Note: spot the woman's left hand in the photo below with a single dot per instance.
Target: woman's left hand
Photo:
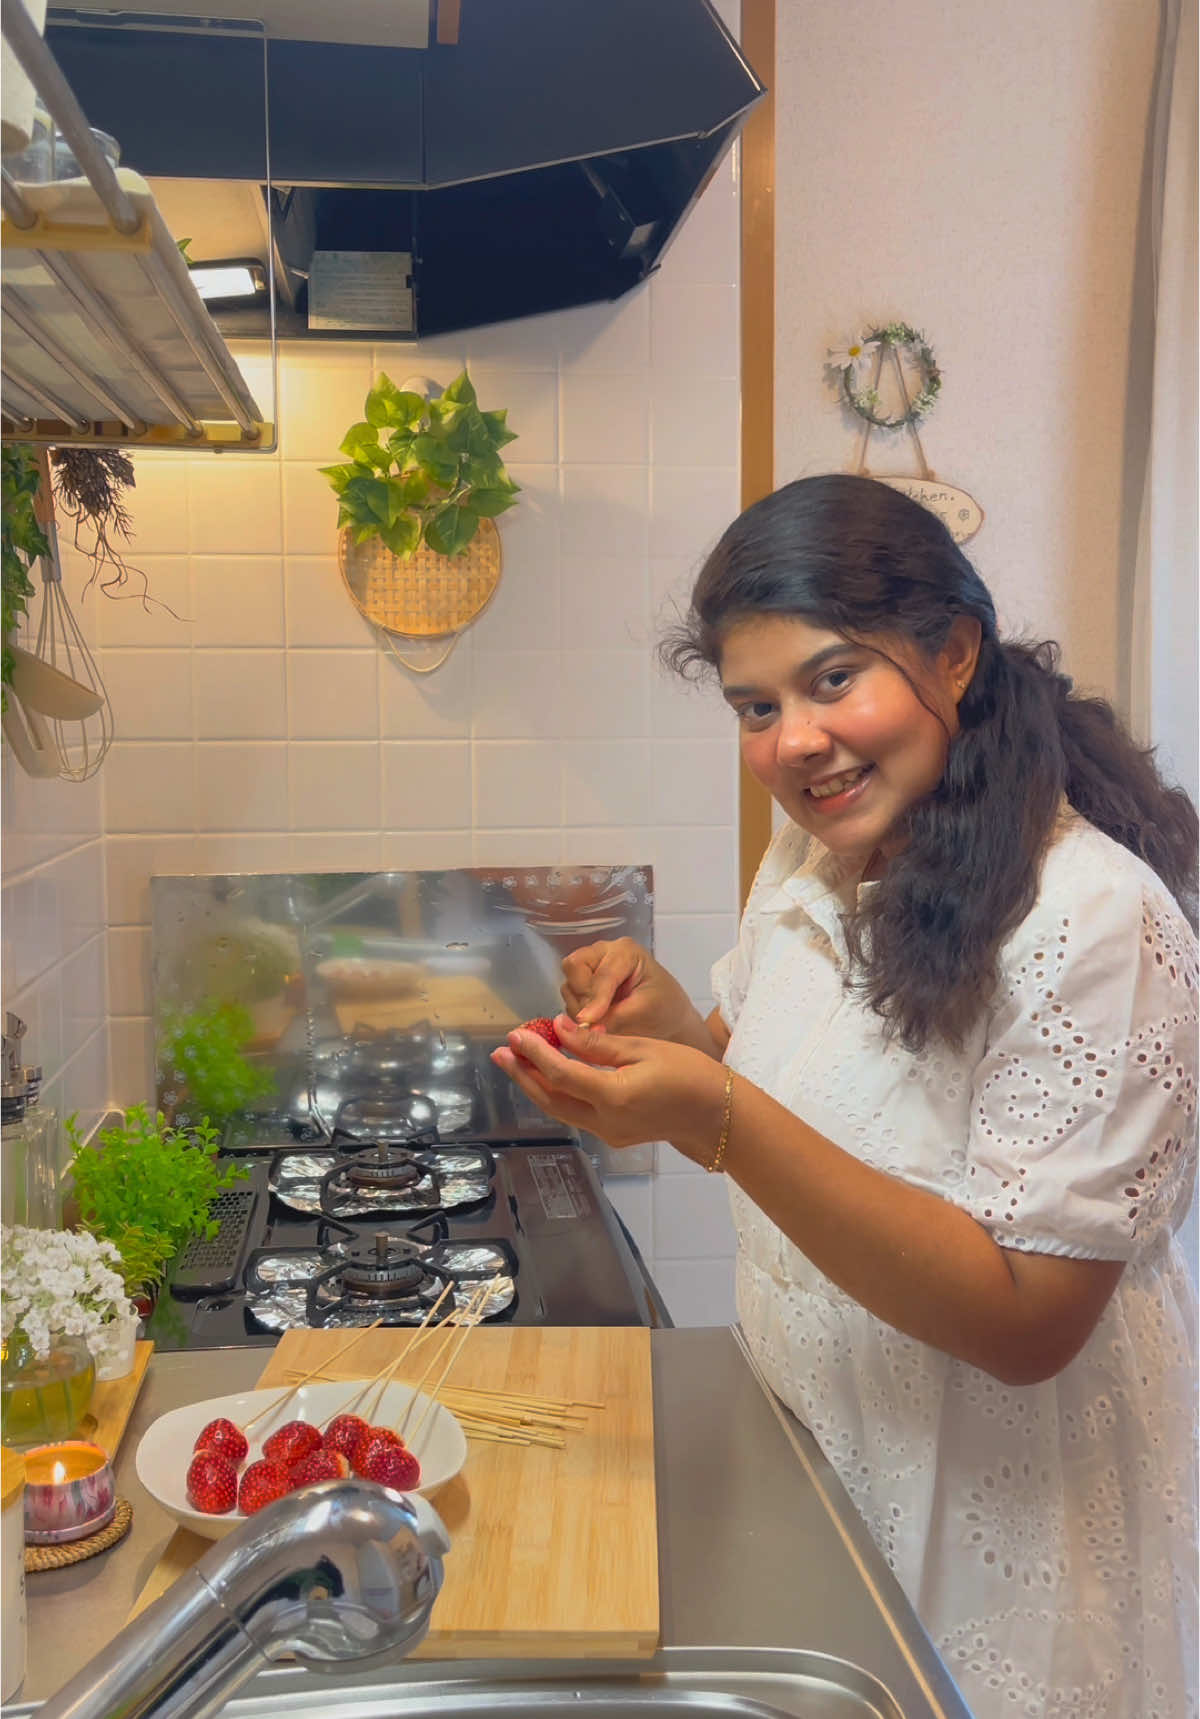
(624, 1090)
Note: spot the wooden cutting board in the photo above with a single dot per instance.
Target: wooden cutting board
(460, 1002)
(112, 1403)
(554, 1553)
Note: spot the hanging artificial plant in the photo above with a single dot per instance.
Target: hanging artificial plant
(423, 470)
(23, 541)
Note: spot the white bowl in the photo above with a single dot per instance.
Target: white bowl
(166, 1447)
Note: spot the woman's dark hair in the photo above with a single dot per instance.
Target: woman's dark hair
(859, 558)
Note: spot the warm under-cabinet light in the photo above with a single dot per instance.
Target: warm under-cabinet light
(232, 282)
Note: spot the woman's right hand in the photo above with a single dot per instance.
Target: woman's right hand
(621, 987)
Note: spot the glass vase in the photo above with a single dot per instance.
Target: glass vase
(43, 1398)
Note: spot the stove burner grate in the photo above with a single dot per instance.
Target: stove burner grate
(392, 1278)
(378, 1180)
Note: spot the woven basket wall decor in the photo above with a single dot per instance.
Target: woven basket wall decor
(424, 600)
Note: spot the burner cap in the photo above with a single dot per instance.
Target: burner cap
(392, 1268)
(384, 1166)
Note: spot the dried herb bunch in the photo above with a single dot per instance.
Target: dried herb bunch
(89, 487)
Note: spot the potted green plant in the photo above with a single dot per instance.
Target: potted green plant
(23, 540)
(147, 1188)
(423, 470)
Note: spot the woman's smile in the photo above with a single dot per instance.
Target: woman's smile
(833, 793)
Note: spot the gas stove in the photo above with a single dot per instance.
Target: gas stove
(347, 1231)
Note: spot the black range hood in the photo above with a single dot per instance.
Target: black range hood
(541, 160)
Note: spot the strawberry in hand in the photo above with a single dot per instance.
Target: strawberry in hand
(543, 1026)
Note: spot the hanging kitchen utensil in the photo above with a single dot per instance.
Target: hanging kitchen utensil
(46, 689)
(83, 739)
(29, 738)
(424, 599)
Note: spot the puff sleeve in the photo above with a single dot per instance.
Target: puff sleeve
(1082, 1137)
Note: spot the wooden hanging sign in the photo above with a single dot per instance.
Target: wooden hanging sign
(960, 513)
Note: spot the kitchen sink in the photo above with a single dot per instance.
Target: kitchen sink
(690, 1683)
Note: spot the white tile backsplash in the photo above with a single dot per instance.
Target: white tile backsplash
(241, 786)
(237, 600)
(605, 507)
(334, 786)
(607, 693)
(606, 782)
(263, 724)
(333, 695)
(518, 784)
(319, 613)
(235, 506)
(426, 785)
(150, 693)
(240, 695)
(605, 419)
(149, 787)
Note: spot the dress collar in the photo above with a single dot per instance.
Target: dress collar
(824, 886)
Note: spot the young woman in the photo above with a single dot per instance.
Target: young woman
(951, 1077)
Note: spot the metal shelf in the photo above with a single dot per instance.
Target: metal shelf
(106, 340)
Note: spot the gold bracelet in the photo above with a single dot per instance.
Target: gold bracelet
(726, 1119)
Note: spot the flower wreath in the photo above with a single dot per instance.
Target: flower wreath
(865, 401)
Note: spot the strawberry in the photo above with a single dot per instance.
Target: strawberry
(212, 1483)
(293, 1440)
(375, 1438)
(391, 1465)
(317, 1465)
(543, 1026)
(344, 1432)
(225, 1439)
(263, 1482)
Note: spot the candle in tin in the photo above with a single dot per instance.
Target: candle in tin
(69, 1492)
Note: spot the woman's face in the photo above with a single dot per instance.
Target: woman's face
(834, 731)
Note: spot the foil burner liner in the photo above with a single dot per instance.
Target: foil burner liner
(285, 1307)
(297, 1182)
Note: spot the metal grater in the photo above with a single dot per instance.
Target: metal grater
(208, 1266)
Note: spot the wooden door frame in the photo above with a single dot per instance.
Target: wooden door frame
(758, 355)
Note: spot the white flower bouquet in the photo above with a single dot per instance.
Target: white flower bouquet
(63, 1281)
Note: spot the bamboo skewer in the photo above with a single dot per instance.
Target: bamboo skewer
(291, 1390)
(469, 1318)
(383, 1377)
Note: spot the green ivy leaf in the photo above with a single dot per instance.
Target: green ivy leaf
(450, 531)
(338, 476)
(496, 423)
(460, 389)
(436, 462)
(403, 535)
(490, 502)
(358, 439)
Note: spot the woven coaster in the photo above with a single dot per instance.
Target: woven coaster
(58, 1557)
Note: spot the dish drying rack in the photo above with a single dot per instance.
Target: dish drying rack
(107, 343)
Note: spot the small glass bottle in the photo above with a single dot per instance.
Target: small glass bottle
(42, 1193)
(14, 1152)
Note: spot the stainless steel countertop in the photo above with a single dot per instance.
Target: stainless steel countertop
(758, 1544)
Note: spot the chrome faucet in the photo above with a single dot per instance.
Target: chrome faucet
(345, 1570)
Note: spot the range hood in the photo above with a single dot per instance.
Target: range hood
(484, 160)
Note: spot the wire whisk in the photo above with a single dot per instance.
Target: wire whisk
(81, 743)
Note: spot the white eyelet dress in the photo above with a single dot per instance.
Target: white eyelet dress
(1045, 1534)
